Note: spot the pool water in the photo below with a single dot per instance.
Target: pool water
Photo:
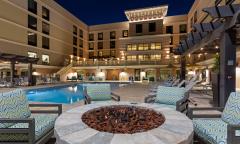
(68, 94)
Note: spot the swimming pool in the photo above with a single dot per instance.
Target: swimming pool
(67, 94)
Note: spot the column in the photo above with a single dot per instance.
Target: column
(12, 72)
(183, 68)
(227, 66)
(30, 77)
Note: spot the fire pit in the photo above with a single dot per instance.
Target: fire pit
(123, 119)
(123, 123)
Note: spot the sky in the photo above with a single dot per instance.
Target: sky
(93, 12)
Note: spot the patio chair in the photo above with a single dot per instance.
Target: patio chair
(223, 128)
(99, 92)
(172, 97)
(19, 124)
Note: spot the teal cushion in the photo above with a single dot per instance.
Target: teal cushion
(99, 92)
(231, 113)
(169, 95)
(213, 131)
(13, 104)
(43, 124)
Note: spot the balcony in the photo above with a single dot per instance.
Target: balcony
(123, 63)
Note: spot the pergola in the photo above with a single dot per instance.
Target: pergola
(13, 59)
(223, 30)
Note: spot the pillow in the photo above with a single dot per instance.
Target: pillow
(169, 95)
(13, 104)
(99, 92)
(231, 113)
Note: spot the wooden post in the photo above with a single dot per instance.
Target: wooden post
(227, 66)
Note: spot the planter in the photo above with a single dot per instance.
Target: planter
(215, 88)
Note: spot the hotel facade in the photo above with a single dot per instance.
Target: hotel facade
(142, 47)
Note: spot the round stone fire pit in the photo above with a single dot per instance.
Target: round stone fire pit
(123, 119)
(123, 123)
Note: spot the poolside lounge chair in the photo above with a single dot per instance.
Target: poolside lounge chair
(19, 124)
(99, 92)
(172, 97)
(221, 128)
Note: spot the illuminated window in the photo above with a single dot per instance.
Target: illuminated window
(81, 43)
(45, 59)
(155, 57)
(91, 46)
(75, 30)
(183, 28)
(100, 53)
(45, 13)
(32, 55)
(132, 58)
(113, 35)
(125, 33)
(145, 46)
(156, 46)
(45, 28)
(132, 47)
(100, 45)
(140, 57)
(100, 36)
(140, 47)
(32, 39)
(81, 33)
(91, 37)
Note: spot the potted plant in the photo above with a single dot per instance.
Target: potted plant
(215, 78)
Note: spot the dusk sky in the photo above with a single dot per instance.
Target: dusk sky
(94, 12)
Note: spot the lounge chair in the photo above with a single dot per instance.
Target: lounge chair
(223, 128)
(19, 124)
(172, 97)
(99, 92)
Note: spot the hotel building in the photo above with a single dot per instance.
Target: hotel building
(141, 47)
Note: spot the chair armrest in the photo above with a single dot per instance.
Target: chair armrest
(115, 97)
(150, 99)
(182, 104)
(58, 106)
(30, 130)
(191, 114)
(232, 138)
(87, 98)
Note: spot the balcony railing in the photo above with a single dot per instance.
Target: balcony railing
(91, 63)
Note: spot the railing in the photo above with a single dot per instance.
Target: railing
(90, 63)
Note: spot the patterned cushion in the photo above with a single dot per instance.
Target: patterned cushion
(169, 95)
(213, 131)
(43, 124)
(231, 113)
(99, 92)
(13, 104)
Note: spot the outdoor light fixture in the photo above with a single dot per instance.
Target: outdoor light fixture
(217, 47)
